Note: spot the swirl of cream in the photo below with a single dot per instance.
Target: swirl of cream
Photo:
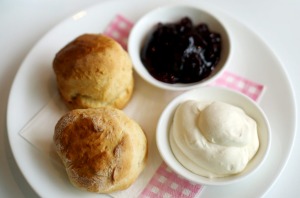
(213, 139)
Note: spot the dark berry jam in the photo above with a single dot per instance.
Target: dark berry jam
(181, 52)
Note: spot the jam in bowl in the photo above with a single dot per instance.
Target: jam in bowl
(179, 47)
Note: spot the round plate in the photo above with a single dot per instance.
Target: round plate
(34, 85)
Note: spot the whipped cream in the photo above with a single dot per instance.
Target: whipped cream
(213, 139)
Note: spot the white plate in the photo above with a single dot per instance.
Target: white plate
(34, 85)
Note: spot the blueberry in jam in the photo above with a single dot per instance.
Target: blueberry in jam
(181, 52)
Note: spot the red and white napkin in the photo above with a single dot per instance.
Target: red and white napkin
(164, 182)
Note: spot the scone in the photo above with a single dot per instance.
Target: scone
(92, 71)
(102, 149)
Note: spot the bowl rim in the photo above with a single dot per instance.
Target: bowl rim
(142, 71)
(162, 135)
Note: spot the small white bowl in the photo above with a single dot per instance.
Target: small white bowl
(213, 94)
(172, 14)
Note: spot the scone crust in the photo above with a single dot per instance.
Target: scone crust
(102, 149)
(94, 70)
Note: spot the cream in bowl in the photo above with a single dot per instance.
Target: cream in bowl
(179, 47)
(213, 136)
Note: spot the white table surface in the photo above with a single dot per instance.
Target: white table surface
(23, 23)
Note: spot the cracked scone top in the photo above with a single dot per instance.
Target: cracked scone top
(94, 70)
(102, 149)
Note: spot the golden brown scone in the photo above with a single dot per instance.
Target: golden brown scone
(92, 71)
(102, 149)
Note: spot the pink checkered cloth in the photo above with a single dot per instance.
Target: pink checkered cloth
(165, 182)
(119, 29)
